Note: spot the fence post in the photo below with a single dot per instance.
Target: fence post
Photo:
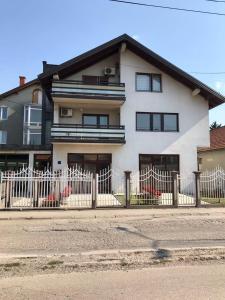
(175, 188)
(8, 193)
(94, 190)
(35, 199)
(127, 188)
(57, 193)
(197, 189)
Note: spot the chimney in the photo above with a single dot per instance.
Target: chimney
(22, 80)
(44, 63)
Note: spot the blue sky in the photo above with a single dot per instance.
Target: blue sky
(56, 30)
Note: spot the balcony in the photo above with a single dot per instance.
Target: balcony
(71, 91)
(67, 133)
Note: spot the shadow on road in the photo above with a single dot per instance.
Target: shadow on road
(159, 254)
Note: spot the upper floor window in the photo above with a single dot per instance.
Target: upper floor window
(37, 96)
(95, 120)
(32, 115)
(157, 122)
(32, 137)
(91, 79)
(148, 82)
(3, 113)
(3, 136)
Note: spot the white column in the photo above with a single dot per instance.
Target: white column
(56, 113)
(31, 160)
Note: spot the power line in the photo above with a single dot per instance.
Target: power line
(208, 73)
(170, 7)
(218, 1)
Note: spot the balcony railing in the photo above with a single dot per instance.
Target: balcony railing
(81, 89)
(88, 134)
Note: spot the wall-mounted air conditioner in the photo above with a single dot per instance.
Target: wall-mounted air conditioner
(110, 71)
(66, 112)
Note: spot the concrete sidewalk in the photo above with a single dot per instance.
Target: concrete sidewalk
(110, 213)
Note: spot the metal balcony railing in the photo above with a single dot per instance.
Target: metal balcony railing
(84, 133)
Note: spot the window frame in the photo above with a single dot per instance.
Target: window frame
(1, 114)
(27, 135)
(98, 120)
(150, 75)
(162, 122)
(3, 131)
(164, 155)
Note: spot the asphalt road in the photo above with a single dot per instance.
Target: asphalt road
(180, 282)
(57, 236)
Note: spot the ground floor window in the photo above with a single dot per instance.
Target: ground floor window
(161, 162)
(13, 162)
(90, 162)
(42, 161)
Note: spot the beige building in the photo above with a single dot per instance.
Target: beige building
(210, 158)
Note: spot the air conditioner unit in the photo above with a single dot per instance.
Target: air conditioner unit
(110, 71)
(66, 112)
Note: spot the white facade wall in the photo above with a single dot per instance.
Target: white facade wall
(175, 98)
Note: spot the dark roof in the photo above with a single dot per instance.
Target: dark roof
(88, 58)
(217, 139)
(18, 88)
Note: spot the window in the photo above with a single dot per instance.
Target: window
(91, 79)
(143, 82)
(3, 113)
(160, 162)
(32, 115)
(156, 83)
(13, 162)
(156, 122)
(3, 137)
(96, 120)
(170, 122)
(159, 122)
(148, 82)
(37, 96)
(143, 121)
(90, 162)
(32, 137)
(32, 125)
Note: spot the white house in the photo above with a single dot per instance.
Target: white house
(164, 111)
(122, 105)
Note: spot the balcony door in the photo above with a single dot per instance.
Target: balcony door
(95, 120)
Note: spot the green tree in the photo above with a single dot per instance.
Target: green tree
(215, 125)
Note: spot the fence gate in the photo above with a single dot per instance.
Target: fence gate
(151, 187)
(186, 190)
(110, 188)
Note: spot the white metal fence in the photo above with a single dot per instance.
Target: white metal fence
(77, 188)
(151, 187)
(212, 186)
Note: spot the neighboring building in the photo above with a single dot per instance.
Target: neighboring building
(21, 128)
(119, 104)
(213, 156)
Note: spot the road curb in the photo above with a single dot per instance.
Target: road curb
(108, 213)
